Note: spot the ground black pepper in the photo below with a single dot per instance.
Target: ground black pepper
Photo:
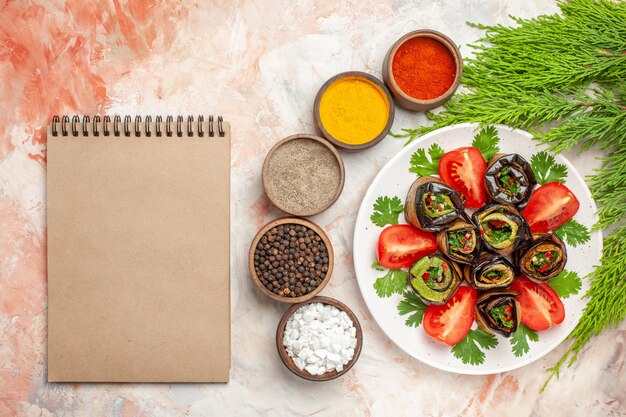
(291, 260)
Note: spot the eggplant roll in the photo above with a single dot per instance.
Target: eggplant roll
(460, 242)
(432, 205)
(510, 179)
(501, 227)
(434, 278)
(499, 311)
(489, 272)
(542, 258)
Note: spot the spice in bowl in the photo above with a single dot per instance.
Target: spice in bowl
(320, 338)
(291, 260)
(303, 175)
(354, 110)
(423, 69)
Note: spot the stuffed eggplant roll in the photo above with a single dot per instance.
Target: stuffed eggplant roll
(542, 258)
(489, 272)
(432, 205)
(501, 227)
(509, 179)
(499, 311)
(434, 278)
(460, 242)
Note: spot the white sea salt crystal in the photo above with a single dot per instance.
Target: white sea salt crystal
(320, 338)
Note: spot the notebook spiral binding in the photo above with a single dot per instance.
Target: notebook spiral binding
(72, 126)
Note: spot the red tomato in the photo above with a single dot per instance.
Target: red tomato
(550, 207)
(402, 244)
(541, 306)
(464, 170)
(451, 322)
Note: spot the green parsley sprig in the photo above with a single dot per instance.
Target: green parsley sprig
(412, 305)
(566, 283)
(469, 349)
(486, 141)
(519, 339)
(546, 169)
(386, 211)
(393, 282)
(423, 164)
(574, 233)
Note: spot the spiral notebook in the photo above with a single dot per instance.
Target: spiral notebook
(138, 249)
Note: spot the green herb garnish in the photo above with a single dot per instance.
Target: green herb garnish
(566, 283)
(423, 165)
(386, 211)
(519, 339)
(573, 233)
(377, 266)
(393, 282)
(546, 169)
(508, 183)
(413, 305)
(486, 141)
(469, 349)
(497, 313)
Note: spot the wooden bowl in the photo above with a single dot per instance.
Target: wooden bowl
(403, 99)
(279, 204)
(289, 363)
(302, 222)
(331, 138)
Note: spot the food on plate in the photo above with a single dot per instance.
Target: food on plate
(501, 228)
(541, 306)
(400, 245)
(451, 322)
(490, 271)
(434, 278)
(550, 207)
(542, 258)
(464, 170)
(460, 242)
(499, 311)
(432, 205)
(509, 179)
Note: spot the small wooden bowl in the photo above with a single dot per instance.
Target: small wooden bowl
(303, 213)
(302, 222)
(331, 138)
(289, 363)
(403, 99)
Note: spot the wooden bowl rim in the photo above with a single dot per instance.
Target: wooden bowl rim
(331, 138)
(289, 363)
(339, 159)
(302, 222)
(448, 43)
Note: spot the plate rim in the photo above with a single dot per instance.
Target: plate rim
(362, 209)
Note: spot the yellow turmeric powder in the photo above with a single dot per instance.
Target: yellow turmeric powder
(354, 110)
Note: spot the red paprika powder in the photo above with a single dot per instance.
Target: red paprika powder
(423, 68)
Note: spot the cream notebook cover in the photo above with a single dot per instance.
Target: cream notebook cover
(138, 250)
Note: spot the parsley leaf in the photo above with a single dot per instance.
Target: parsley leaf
(546, 169)
(566, 283)
(573, 233)
(386, 211)
(422, 165)
(486, 141)
(468, 349)
(394, 282)
(519, 339)
(411, 303)
(377, 266)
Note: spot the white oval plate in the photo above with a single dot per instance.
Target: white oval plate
(394, 179)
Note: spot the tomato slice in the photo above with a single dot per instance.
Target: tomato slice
(451, 322)
(464, 170)
(550, 207)
(541, 306)
(402, 244)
